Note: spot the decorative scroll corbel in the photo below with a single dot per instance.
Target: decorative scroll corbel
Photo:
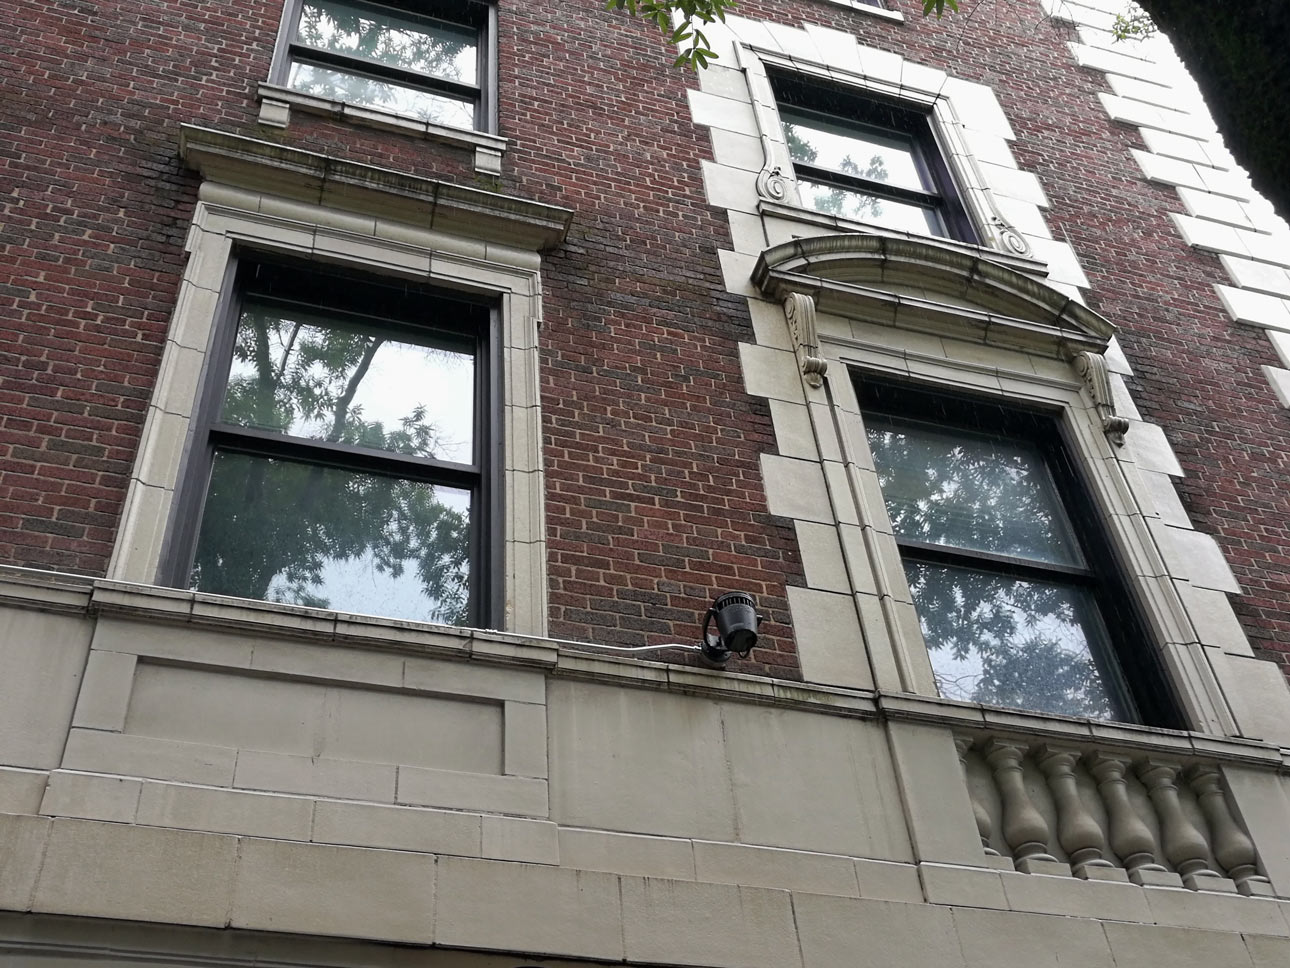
(1092, 368)
(1012, 240)
(800, 312)
(771, 183)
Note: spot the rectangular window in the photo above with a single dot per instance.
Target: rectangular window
(348, 433)
(1010, 571)
(423, 60)
(868, 160)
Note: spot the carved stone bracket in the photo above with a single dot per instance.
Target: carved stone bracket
(1012, 240)
(800, 312)
(1092, 368)
(771, 183)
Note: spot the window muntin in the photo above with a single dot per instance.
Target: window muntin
(868, 160)
(346, 464)
(1016, 589)
(424, 61)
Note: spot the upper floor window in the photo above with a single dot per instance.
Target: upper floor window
(1017, 594)
(868, 160)
(346, 465)
(421, 59)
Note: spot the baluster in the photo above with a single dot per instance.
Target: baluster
(1077, 830)
(984, 827)
(1233, 848)
(1024, 827)
(1183, 844)
(1130, 836)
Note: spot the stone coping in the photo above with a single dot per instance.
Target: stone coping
(53, 591)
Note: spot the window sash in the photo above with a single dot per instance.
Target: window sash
(1136, 686)
(476, 327)
(475, 95)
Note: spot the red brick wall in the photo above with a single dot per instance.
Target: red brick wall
(653, 488)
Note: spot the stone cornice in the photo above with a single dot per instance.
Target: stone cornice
(475, 213)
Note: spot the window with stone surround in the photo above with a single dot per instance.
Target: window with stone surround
(428, 61)
(1010, 570)
(868, 159)
(343, 456)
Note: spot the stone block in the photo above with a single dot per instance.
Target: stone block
(510, 838)
(795, 489)
(1268, 952)
(935, 798)
(646, 762)
(105, 690)
(1075, 897)
(601, 850)
(524, 746)
(771, 373)
(316, 776)
(830, 644)
(1004, 939)
(43, 656)
(1258, 696)
(673, 922)
(473, 791)
(963, 886)
(822, 557)
(1149, 944)
(397, 828)
(225, 811)
(91, 797)
(136, 873)
(885, 881)
(327, 662)
(545, 911)
(22, 790)
(1214, 912)
(852, 807)
(158, 759)
(832, 931)
(789, 870)
(23, 840)
(347, 891)
(474, 679)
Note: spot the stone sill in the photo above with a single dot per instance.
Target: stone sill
(42, 590)
(275, 111)
(881, 13)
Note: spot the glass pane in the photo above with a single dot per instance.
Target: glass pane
(284, 531)
(846, 203)
(415, 44)
(369, 92)
(311, 374)
(976, 491)
(872, 153)
(1009, 642)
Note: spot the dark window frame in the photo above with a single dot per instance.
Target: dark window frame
(479, 14)
(1133, 670)
(860, 110)
(483, 477)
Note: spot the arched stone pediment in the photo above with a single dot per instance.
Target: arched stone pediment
(926, 286)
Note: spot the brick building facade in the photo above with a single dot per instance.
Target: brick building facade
(319, 660)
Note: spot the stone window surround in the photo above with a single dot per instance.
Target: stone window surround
(920, 88)
(824, 477)
(284, 201)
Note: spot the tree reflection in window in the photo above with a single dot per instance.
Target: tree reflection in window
(290, 521)
(376, 57)
(997, 576)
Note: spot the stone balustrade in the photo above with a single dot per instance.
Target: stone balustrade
(1107, 814)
